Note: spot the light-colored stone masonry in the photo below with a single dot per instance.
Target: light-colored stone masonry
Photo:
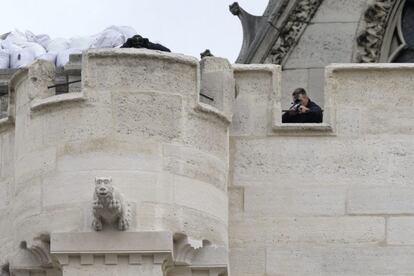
(207, 181)
(137, 120)
(329, 201)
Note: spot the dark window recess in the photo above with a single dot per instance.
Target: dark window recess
(407, 27)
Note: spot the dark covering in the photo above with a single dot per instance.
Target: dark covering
(314, 115)
(138, 41)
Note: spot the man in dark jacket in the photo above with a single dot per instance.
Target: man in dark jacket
(138, 41)
(303, 109)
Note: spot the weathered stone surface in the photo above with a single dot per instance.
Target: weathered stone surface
(400, 230)
(256, 85)
(330, 205)
(136, 120)
(334, 260)
(380, 200)
(149, 121)
(248, 262)
(322, 44)
(332, 11)
(308, 230)
(298, 200)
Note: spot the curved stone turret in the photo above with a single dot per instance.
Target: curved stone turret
(138, 121)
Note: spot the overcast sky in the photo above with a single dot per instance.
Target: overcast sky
(184, 26)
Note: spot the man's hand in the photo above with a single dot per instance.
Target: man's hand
(303, 109)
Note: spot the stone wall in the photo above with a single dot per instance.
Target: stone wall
(137, 120)
(334, 201)
(329, 38)
(6, 188)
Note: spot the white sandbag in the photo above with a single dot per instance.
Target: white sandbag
(50, 56)
(37, 49)
(82, 42)
(63, 56)
(4, 59)
(9, 46)
(31, 37)
(43, 39)
(125, 30)
(57, 45)
(109, 39)
(17, 38)
(21, 58)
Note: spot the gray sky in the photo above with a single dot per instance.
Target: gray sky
(185, 26)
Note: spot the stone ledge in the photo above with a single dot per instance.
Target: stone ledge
(271, 68)
(111, 242)
(208, 109)
(38, 104)
(336, 67)
(132, 52)
(303, 129)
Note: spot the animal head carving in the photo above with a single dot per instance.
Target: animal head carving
(103, 187)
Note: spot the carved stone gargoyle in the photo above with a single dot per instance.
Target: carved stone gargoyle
(109, 207)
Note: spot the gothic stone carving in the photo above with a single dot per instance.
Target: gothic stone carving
(370, 39)
(109, 206)
(40, 249)
(293, 29)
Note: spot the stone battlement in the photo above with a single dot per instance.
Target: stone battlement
(211, 186)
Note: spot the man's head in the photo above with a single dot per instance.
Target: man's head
(300, 95)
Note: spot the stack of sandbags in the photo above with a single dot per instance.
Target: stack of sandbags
(21, 50)
(18, 49)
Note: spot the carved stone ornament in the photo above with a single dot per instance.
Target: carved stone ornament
(370, 38)
(39, 247)
(292, 31)
(109, 206)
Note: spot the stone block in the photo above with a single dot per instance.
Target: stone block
(297, 200)
(339, 260)
(29, 201)
(70, 219)
(201, 196)
(248, 262)
(111, 242)
(68, 189)
(64, 124)
(206, 134)
(252, 110)
(251, 231)
(400, 231)
(323, 44)
(98, 161)
(372, 200)
(195, 164)
(332, 11)
(7, 154)
(181, 219)
(140, 70)
(236, 199)
(319, 160)
(149, 115)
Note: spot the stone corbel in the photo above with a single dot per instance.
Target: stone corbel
(199, 255)
(34, 256)
(39, 247)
